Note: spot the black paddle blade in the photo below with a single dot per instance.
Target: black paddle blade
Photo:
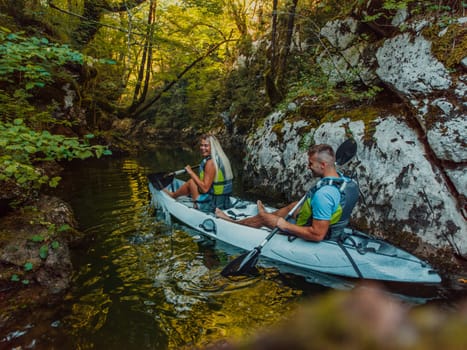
(346, 151)
(160, 180)
(243, 264)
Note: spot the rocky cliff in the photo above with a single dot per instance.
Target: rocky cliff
(412, 154)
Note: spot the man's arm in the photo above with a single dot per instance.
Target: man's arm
(316, 232)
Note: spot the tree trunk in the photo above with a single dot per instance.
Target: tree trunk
(273, 92)
(284, 54)
(93, 10)
(141, 87)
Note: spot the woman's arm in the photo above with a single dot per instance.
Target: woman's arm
(209, 174)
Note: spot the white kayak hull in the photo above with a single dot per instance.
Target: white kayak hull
(375, 259)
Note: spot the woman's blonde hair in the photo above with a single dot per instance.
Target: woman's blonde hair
(217, 153)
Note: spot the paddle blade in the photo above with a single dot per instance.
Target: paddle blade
(346, 151)
(160, 180)
(243, 264)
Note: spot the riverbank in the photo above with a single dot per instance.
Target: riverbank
(35, 265)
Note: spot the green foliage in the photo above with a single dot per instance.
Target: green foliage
(27, 66)
(21, 148)
(37, 238)
(30, 61)
(390, 7)
(316, 86)
(28, 266)
(44, 251)
(451, 47)
(14, 278)
(64, 228)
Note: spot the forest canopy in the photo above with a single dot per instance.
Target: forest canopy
(72, 68)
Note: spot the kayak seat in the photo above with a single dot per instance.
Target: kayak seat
(381, 247)
(221, 201)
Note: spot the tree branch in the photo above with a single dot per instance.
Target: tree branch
(178, 77)
(55, 7)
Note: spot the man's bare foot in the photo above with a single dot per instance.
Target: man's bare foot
(220, 214)
(260, 206)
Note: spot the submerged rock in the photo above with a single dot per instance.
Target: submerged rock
(35, 260)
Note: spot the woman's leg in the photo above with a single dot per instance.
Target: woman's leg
(184, 190)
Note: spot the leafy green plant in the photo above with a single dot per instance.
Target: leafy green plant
(14, 278)
(21, 148)
(37, 238)
(64, 228)
(44, 251)
(28, 266)
(31, 61)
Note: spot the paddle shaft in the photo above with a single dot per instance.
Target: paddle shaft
(288, 216)
(181, 171)
(162, 180)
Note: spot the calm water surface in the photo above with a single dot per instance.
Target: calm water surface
(140, 284)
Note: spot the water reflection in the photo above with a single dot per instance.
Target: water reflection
(143, 284)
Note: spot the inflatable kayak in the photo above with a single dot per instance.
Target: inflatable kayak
(358, 256)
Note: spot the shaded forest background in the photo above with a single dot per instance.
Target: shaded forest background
(70, 69)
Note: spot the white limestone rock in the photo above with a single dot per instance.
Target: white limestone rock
(341, 33)
(448, 139)
(351, 57)
(406, 63)
(400, 185)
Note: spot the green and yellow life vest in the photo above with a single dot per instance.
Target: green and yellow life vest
(348, 190)
(220, 185)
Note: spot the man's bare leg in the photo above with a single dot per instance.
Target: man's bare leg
(263, 218)
(220, 214)
(253, 221)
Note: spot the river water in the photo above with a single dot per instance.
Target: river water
(141, 284)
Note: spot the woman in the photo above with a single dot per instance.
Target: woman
(212, 187)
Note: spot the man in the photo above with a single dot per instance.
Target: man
(326, 209)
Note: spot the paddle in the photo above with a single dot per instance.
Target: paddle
(247, 261)
(163, 179)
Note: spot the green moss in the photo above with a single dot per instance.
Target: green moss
(367, 114)
(277, 129)
(450, 48)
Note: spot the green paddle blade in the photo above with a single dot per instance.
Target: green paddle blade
(244, 264)
(160, 180)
